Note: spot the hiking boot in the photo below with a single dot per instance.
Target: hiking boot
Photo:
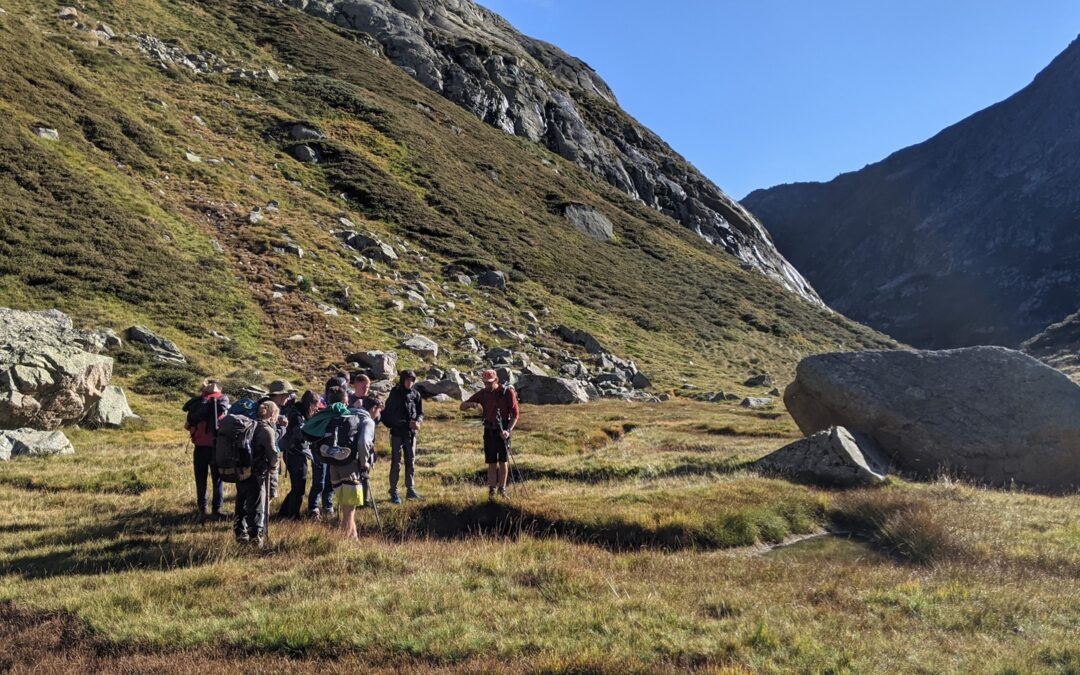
(243, 539)
(315, 514)
(491, 492)
(259, 543)
(394, 499)
(202, 515)
(503, 493)
(412, 494)
(217, 516)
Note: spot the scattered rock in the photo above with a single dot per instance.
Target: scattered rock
(755, 402)
(542, 390)
(762, 380)
(163, 349)
(590, 221)
(492, 279)
(47, 133)
(111, 410)
(302, 132)
(640, 381)
(425, 347)
(304, 153)
(192, 157)
(433, 388)
(381, 365)
(581, 338)
(989, 413)
(833, 457)
(33, 443)
(67, 14)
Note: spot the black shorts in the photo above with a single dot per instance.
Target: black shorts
(495, 446)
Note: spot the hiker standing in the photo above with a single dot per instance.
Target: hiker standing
(403, 414)
(296, 449)
(349, 479)
(500, 406)
(203, 414)
(322, 492)
(283, 396)
(249, 523)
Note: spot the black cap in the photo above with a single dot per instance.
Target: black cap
(407, 375)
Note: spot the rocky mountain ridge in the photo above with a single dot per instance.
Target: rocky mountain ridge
(968, 238)
(535, 90)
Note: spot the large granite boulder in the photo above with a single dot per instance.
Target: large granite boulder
(434, 388)
(989, 413)
(33, 443)
(47, 376)
(834, 457)
(423, 346)
(590, 221)
(541, 390)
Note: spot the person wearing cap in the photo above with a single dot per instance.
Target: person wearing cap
(403, 414)
(283, 396)
(203, 414)
(500, 405)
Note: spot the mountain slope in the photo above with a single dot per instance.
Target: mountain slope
(535, 90)
(170, 199)
(1058, 345)
(970, 237)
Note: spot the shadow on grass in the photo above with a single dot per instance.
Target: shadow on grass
(505, 519)
(143, 539)
(605, 474)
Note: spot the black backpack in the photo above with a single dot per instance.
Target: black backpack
(336, 447)
(232, 448)
(207, 410)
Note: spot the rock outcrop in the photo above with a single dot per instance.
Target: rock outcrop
(111, 410)
(48, 378)
(834, 457)
(33, 443)
(533, 89)
(988, 413)
(1058, 346)
(967, 238)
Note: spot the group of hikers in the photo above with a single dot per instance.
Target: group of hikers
(328, 439)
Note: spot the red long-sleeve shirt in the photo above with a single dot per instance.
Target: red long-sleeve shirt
(499, 403)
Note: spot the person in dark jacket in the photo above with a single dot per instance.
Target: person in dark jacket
(296, 451)
(403, 414)
(249, 523)
(204, 412)
(321, 489)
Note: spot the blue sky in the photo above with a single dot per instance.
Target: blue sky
(760, 92)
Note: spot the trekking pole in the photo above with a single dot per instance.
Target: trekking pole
(266, 508)
(518, 480)
(375, 507)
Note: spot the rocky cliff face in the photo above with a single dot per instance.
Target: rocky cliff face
(968, 238)
(1058, 345)
(535, 90)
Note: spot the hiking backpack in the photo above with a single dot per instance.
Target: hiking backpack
(201, 409)
(335, 448)
(232, 449)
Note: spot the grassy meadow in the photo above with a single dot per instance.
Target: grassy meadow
(640, 541)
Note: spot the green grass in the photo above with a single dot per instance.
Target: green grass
(637, 569)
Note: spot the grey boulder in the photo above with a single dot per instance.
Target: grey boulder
(590, 222)
(33, 443)
(47, 377)
(425, 347)
(989, 413)
(492, 279)
(755, 402)
(834, 457)
(542, 390)
(383, 365)
(111, 410)
(434, 388)
(162, 348)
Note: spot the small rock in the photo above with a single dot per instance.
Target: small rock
(492, 279)
(304, 153)
(47, 133)
(302, 132)
(192, 157)
(67, 13)
(754, 402)
(762, 380)
(423, 346)
(163, 349)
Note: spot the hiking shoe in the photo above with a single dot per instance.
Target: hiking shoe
(202, 515)
(243, 539)
(503, 493)
(217, 515)
(259, 543)
(491, 493)
(412, 494)
(315, 514)
(394, 499)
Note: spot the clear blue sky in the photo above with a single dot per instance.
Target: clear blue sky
(760, 92)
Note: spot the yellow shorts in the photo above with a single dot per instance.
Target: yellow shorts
(349, 495)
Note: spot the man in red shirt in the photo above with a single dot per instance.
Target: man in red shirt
(500, 407)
